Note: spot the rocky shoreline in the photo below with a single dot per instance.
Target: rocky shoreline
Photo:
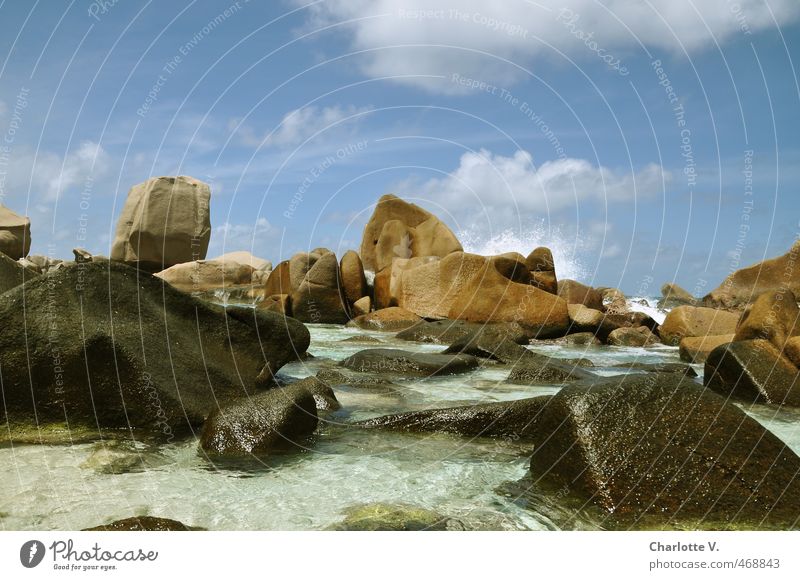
(147, 346)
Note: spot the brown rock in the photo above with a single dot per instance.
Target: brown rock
(398, 229)
(541, 260)
(695, 349)
(206, 275)
(773, 316)
(576, 293)
(81, 256)
(673, 295)
(584, 319)
(279, 303)
(791, 350)
(641, 336)
(388, 319)
(354, 283)
(279, 281)
(318, 298)
(13, 273)
(165, 221)
(15, 234)
(686, 321)
(362, 306)
(745, 285)
(546, 281)
(388, 285)
(614, 301)
(753, 371)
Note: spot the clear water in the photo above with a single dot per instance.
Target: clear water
(61, 487)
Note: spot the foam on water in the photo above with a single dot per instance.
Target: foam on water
(648, 305)
(566, 250)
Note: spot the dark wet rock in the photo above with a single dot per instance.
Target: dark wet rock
(661, 445)
(13, 273)
(379, 517)
(753, 371)
(357, 381)
(111, 347)
(143, 524)
(516, 419)
(386, 360)
(492, 345)
(549, 371)
(658, 368)
(449, 331)
(278, 420)
(324, 396)
(363, 339)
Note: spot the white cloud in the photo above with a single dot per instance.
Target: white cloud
(253, 237)
(520, 31)
(49, 176)
(495, 185)
(298, 125)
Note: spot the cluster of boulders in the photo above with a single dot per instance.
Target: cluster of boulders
(135, 342)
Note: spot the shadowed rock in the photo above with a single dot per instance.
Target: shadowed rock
(386, 360)
(661, 445)
(515, 419)
(144, 524)
(753, 371)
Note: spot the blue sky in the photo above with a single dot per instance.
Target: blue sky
(524, 124)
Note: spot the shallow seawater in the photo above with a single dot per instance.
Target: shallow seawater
(472, 481)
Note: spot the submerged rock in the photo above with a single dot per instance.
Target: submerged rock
(516, 419)
(661, 445)
(386, 360)
(143, 524)
(753, 371)
(387, 320)
(658, 368)
(380, 517)
(278, 420)
(112, 347)
(774, 316)
(449, 331)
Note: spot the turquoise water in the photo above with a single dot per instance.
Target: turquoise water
(60, 487)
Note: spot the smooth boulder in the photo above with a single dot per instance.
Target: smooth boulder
(113, 347)
(318, 297)
(753, 371)
(386, 320)
(516, 419)
(15, 234)
(275, 421)
(659, 445)
(165, 221)
(695, 349)
(399, 229)
(574, 292)
(745, 285)
(354, 282)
